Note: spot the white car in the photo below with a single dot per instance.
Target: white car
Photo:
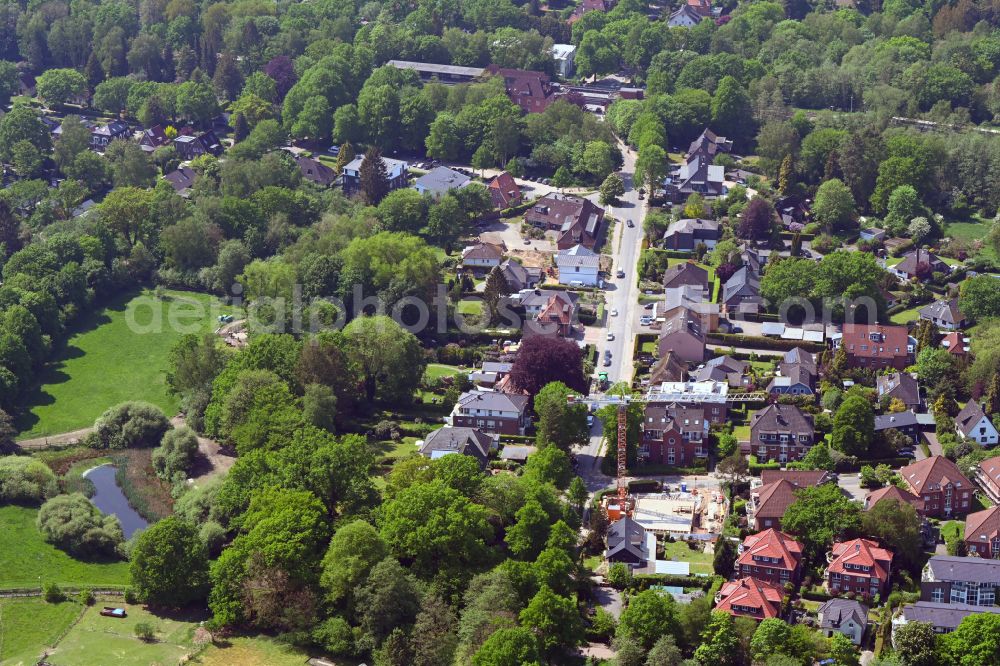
(611, 336)
(614, 313)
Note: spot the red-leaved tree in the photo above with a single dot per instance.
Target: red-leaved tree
(541, 360)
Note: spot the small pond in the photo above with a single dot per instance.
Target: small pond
(110, 499)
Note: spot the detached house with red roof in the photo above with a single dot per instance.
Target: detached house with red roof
(876, 346)
(890, 493)
(532, 91)
(750, 597)
(982, 533)
(770, 556)
(769, 501)
(576, 221)
(860, 566)
(943, 488)
(988, 475)
(504, 191)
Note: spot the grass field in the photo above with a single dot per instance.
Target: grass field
(701, 562)
(256, 651)
(905, 316)
(439, 370)
(30, 626)
(26, 559)
(107, 361)
(101, 641)
(971, 230)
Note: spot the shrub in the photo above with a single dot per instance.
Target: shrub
(130, 425)
(335, 636)
(52, 593)
(85, 597)
(25, 480)
(175, 455)
(72, 523)
(144, 631)
(214, 536)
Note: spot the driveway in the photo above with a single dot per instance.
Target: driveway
(851, 484)
(609, 599)
(932, 443)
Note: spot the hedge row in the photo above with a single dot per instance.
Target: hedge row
(514, 211)
(645, 581)
(741, 340)
(671, 254)
(670, 469)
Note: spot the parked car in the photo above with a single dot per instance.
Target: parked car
(614, 312)
(629, 224)
(648, 306)
(611, 336)
(607, 360)
(736, 329)
(590, 420)
(620, 274)
(645, 320)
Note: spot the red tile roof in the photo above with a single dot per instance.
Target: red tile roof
(750, 597)
(529, 90)
(861, 553)
(774, 498)
(991, 469)
(875, 341)
(504, 190)
(893, 492)
(930, 474)
(983, 526)
(800, 477)
(954, 342)
(773, 544)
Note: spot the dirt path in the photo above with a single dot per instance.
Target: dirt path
(72, 437)
(213, 462)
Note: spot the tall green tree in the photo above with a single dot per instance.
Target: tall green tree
(560, 422)
(820, 515)
(374, 177)
(168, 564)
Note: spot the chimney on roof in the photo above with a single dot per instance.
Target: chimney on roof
(857, 547)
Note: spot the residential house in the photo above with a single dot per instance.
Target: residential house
(576, 221)
(673, 434)
(668, 368)
(956, 343)
(770, 556)
(685, 17)
(750, 597)
(943, 488)
(482, 257)
(684, 274)
(547, 311)
(915, 262)
(943, 617)
(890, 493)
(944, 313)
(102, 135)
(698, 175)
(710, 395)
(439, 181)
(153, 138)
(792, 379)
(949, 579)
(489, 373)
(578, 266)
(564, 55)
(532, 91)
(904, 422)
(982, 533)
(683, 334)
(395, 169)
(627, 543)
(793, 211)
(973, 423)
(876, 346)
(689, 298)
(844, 616)
(470, 442)
(741, 293)
(492, 412)
(520, 277)
(504, 191)
(190, 146)
(703, 7)
(988, 475)
(709, 144)
(872, 234)
(900, 386)
(315, 171)
(799, 356)
(181, 179)
(724, 369)
(781, 432)
(685, 235)
(860, 566)
(776, 492)
(589, 6)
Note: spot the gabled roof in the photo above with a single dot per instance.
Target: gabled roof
(441, 180)
(742, 278)
(578, 255)
(487, 251)
(800, 356)
(983, 526)
(669, 368)
(181, 178)
(876, 341)
(933, 473)
(722, 369)
(899, 385)
(782, 419)
(774, 498)
(687, 12)
(963, 569)
(863, 553)
(896, 420)
(916, 257)
(505, 402)
(773, 544)
(627, 535)
(836, 612)
(762, 596)
(991, 469)
(969, 417)
(685, 273)
(945, 310)
(683, 320)
(467, 441)
(519, 276)
(956, 342)
(316, 171)
(943, 615)
(803, 478)
(893, 492)
(706, 228)
(504, 190)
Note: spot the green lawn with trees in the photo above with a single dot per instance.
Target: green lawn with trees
(26, 560)
(106, 362)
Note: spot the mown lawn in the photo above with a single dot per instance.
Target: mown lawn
(27, 560)
(101, 641)
(905, 316)
(439, 370)
(28, 627)
(115, 355)
(970, 230)
(701, 562)
(257, 651)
